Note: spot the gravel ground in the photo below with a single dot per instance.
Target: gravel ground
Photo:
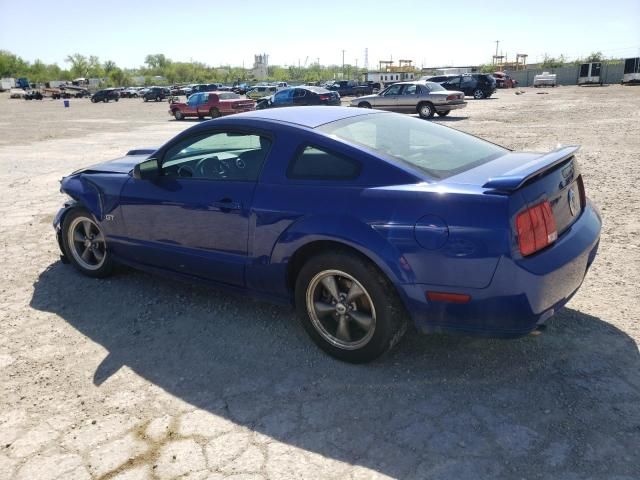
(139, 377)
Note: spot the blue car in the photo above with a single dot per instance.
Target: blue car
(365, 220)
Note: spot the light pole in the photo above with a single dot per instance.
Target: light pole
(343, 64)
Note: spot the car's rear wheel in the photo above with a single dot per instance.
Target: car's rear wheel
(85, 245)
(178, 114)
(364, 105)
(444, 113)
(348, 307)
(426, 110)
(214, 112)
(478, 94)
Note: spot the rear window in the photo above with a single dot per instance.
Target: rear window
(439, 151)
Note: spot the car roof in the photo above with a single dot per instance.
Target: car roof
(310, 117)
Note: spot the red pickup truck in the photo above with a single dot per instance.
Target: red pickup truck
(211, 104)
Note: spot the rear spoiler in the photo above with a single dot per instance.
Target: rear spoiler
(141, 151)
(514, 179)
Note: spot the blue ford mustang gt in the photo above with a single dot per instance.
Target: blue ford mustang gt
(365, 220)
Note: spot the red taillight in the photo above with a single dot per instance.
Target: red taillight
(324, 97)
(453, 97)
(536, 228)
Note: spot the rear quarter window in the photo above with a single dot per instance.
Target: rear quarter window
(313, 163)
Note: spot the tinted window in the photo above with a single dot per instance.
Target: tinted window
(217, 156)
(315, 164)
(439, 151)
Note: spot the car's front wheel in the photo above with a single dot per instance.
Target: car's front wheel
(178, 114)
(348, 307)
(214, 112)
(364, 105)
(426, 110)
(478, 94)
(85, 245)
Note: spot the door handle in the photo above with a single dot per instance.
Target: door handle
(227, 205)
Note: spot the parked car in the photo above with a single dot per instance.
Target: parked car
(33, 95)
(261, 91)
(350, 88)
(300, 96)
(365, 220)
(476, 85)
(240, 88)
(204, 87)
(130, 92)
(211, 104)
(105, 95)
(156, 93)
(425, 98)
(504, 80)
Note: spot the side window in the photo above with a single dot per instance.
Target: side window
(409, 90)
(453, 82)
(467, 81)
(299, 93)
(316, 164)
(217, 156)
(393, 90)
(282, 97)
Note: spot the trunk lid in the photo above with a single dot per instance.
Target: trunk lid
(553, 176)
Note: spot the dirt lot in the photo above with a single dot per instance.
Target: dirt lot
(140, 377)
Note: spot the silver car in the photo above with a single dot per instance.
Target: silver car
(426, 98)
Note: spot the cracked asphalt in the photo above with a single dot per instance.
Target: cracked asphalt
(139, 377)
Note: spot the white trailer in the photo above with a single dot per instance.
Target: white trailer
(545, 79)
(631, 70)
(590, 74)
(7, 84)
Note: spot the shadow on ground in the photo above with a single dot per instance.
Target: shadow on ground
(564, 404)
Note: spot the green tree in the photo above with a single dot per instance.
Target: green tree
(594, 57)
(109, 66)
(79, 65)
(552, 62)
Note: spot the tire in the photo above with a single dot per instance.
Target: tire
(80, 226)
(93, 100)
(116, 99)
(106, 100)
(178, 114)
(444, 114)
(478, 94)
(146, 99)
(214, 112)
(336, 331)
(158, 98)
(426, 110)
(364, 105)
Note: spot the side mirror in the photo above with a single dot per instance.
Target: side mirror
(147, 170)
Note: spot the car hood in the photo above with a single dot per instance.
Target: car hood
(120, 165)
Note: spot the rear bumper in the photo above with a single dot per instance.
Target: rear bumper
(450, 106)
(523, 292)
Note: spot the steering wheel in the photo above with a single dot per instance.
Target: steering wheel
(208, 167)
(185, 171)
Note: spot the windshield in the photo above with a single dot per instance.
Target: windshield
(439, 151)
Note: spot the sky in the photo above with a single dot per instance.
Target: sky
(431, 33)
